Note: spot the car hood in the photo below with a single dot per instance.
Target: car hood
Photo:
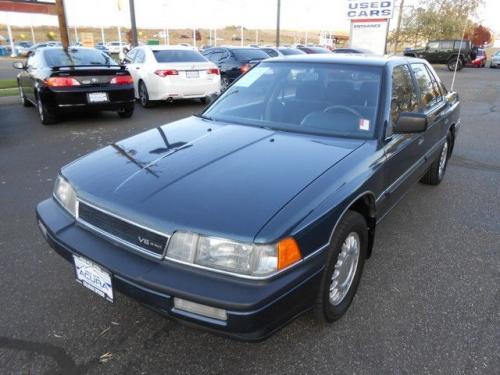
(198, 175)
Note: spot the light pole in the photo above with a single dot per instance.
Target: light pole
(133, 26)
(63, 24)
(398, 27)
(278, 24)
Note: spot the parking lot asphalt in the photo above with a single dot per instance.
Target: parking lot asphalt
(6, 70)
(428, 302)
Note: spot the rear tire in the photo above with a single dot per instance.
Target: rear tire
(452, 62)
(46, 117)
(436, 171)
(144, 96)
(224, 84)
(126, 112)
(343, 268)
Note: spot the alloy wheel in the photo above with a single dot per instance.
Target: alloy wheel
(345, 268)
(40, 107)
(442, 160)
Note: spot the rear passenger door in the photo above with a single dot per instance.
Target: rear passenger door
(404, 152)
(434, 105)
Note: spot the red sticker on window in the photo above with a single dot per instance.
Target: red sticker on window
(364, 124)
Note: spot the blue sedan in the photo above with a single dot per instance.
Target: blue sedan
(266, 205)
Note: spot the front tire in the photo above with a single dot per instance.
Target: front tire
(46, 116)
(344, 265)
(436, 171)
(25, 102)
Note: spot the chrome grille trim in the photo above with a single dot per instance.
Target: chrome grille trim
(116, 239)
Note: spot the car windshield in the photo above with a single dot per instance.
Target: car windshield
(497, 53)
(320, 98)
(167, 56)
(247, 54)
(59, 57)
(291, 51)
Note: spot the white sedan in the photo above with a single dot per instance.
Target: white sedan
(171, 73)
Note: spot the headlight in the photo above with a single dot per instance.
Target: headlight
(234, 257)
(65, 195)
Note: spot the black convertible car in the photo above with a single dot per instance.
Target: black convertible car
(55, 80)
(264, 206)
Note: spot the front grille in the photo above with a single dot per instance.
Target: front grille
(135, 236)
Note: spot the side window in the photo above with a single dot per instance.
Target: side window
(463, 45)
(140, 57)
(33, 59)
(428, 92)
(433, 46)
(437, 87)
(446, 45)
(404, 96)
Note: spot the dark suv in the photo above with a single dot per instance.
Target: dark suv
(445, 52)
(234, 61)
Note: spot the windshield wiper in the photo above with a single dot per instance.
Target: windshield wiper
(204, 117)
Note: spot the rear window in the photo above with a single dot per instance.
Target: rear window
(247, 54)
(291, 51)
(167, 56)
(59, 57)
(319, 50)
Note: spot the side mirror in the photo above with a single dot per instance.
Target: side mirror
(410, 122)
(452, 97)
(19, 65)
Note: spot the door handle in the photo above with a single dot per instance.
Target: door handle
(138, 67)
(420, 140)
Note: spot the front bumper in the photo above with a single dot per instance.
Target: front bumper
(495, 64)
(255, 308)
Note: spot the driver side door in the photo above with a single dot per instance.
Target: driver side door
(405, 162)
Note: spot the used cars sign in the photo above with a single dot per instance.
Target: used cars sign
(359, 9)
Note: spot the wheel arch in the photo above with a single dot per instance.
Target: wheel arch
(364, 204)
(452, 131)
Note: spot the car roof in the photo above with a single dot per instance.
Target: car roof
(356, 59)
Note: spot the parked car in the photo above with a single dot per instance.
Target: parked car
(5, 51)
(495, 60)
(264, 206)
(101, 46)
(314, 50)
(23, 48)
(56, 81)
(171, 73)
(234, 61)
(50, 43)
(117, 47)
(480, 60)
(353, 50)
(282, 51)
(453, 53)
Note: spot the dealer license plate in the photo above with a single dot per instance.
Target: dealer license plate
(98, 97)
(192, 74)
(92, 276)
